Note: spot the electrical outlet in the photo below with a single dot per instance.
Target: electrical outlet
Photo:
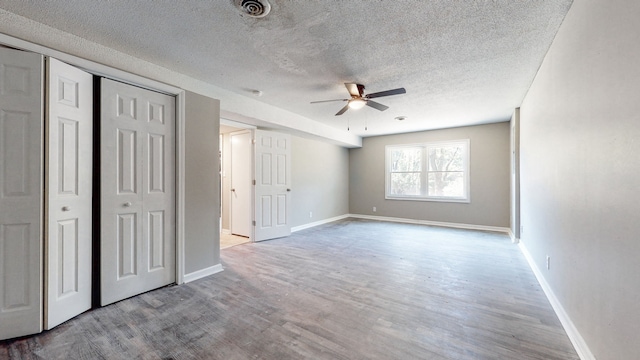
(310, 214)
(374, 209)
(548, 262)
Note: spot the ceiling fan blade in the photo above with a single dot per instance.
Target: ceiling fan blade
(377, 105)
(354, 89)
(345, 108)
(397, 91)
(323, 101)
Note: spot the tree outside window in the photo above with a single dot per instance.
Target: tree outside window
(406, 167)
(429, 171)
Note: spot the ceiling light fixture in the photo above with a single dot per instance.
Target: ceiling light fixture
(357, 103)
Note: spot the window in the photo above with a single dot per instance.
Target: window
(437, 171)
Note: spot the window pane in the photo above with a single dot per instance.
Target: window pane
(446, 184)
(446, 158)
(405, 184)
(406, 159)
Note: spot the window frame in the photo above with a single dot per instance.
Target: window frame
(424, 172)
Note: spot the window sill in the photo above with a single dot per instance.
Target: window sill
(433, 199)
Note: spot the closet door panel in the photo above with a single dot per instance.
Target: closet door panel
(69, 192)
(137, 245)
(21, 192)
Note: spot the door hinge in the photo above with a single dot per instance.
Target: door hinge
(254, 223)
(254, 182)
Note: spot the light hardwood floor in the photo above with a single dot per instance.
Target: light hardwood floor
(229, 240)
(352, 289)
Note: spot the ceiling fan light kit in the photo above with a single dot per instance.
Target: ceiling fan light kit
(358, 103)
(358, 99)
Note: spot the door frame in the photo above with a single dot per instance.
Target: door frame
(241, 127)
(146, 83)
(251, 176)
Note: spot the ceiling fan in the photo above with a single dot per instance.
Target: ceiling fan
(359, 99)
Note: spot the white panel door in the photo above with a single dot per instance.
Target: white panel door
(273, 185)
(241, 176)
(21, 174)
(69, 192)
(137, 191)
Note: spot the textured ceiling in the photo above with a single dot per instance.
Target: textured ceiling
(461, 62)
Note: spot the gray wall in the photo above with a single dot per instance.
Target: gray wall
(580, 173)
(320, 180)
(202, 194)
(489, 178)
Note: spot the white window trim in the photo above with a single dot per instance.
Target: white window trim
(426, 145)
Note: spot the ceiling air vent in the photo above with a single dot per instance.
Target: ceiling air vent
(254, 8)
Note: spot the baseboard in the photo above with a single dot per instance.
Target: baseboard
(321, 222)
(433, 223)
(514, 239)
(202, 273)
(225, 231)
(576, 339)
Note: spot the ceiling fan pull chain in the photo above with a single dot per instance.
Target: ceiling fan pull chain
(348, 125)
(365, 125)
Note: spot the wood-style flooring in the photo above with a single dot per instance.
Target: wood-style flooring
(352, 289)
(229, 240)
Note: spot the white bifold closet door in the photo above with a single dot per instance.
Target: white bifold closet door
(21, 192)
(137, 191)
(69, 192)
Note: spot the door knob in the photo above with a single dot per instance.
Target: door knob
(127, 204)
(234, 190)
(288, 189)
(66, 208)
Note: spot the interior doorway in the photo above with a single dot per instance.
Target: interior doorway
(241, 182)
(235, 192)
(256, 183)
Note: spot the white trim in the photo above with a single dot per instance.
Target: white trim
(433, 223)
(574, 335)
(513, 237)
(236, 124)
(180, 190)
(225, 231)
(202, 273)
(252, 238)
(251, 216)
(317, 223)
(424, 171)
